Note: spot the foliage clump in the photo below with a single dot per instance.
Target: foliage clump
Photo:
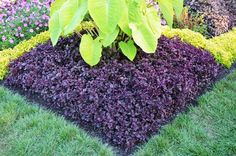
(137, 24)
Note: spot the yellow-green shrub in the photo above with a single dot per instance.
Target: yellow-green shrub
(10, 54)
(222, 48)
(186, 35)
(227, 42)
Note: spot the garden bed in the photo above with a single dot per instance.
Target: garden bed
(124, 102)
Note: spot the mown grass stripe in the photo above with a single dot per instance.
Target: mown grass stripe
(26, 129)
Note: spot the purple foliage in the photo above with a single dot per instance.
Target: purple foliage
(126, 101)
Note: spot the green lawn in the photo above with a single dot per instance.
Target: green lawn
(209, 129)
(27, 130)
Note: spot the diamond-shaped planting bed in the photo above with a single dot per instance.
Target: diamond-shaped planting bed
(124, 101)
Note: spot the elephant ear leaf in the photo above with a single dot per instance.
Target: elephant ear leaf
(65, 15)
(166, 7)
(54, 28)
(90, 50)
(108, 39)
(105, 13)
(143, 34)
(128, 49)
(79, 14)
(124, 20)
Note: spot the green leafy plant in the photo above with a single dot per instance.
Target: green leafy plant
(191, 20)
(119, 24)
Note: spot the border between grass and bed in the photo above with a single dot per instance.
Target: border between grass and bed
(18, 110)
(92, 134)
(222, 48)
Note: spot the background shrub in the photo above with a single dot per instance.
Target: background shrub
(192, 21)
(126, 102)
(22, 20)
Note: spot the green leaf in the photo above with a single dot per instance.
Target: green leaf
(124, 21)
(108, 39)
(90, 50)
(105, 13)
(154, 21)
(142, 32)
(128, 49)
(65, 13)
(54, 28)
(78, 16)
(166, 7)
(178, 7)
(55, 6)
(144, 38)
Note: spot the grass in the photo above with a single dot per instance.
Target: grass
(209, 129)
(28, 130)
(206, 130)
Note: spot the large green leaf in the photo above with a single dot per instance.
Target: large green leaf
(90, 50)
(65, 13)
(108, 39)
(55, 6)
(154, 21)
(54, 28)
(81, 10)
(128, 49)
(166, 7)
(144, 38)
(142, 32)
(124, 21)
(105, 13)
(178, 7)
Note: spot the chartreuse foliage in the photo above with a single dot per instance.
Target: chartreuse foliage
(137, 21)
(169, 8)
(26, 129)
(222, 48)
(9, 54)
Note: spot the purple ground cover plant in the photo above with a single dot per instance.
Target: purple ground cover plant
(127, 102)
(21, 20)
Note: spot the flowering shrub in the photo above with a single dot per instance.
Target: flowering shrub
(22, 20)
(125, 101)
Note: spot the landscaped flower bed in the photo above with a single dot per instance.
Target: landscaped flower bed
(21, 20)
(125, 101)
(120, 75)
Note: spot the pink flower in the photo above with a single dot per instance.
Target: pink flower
(22, 35)
(3, 38)
(31, 30)
(45, 24)
(11, 41)
(19, 28)
(25, 25)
